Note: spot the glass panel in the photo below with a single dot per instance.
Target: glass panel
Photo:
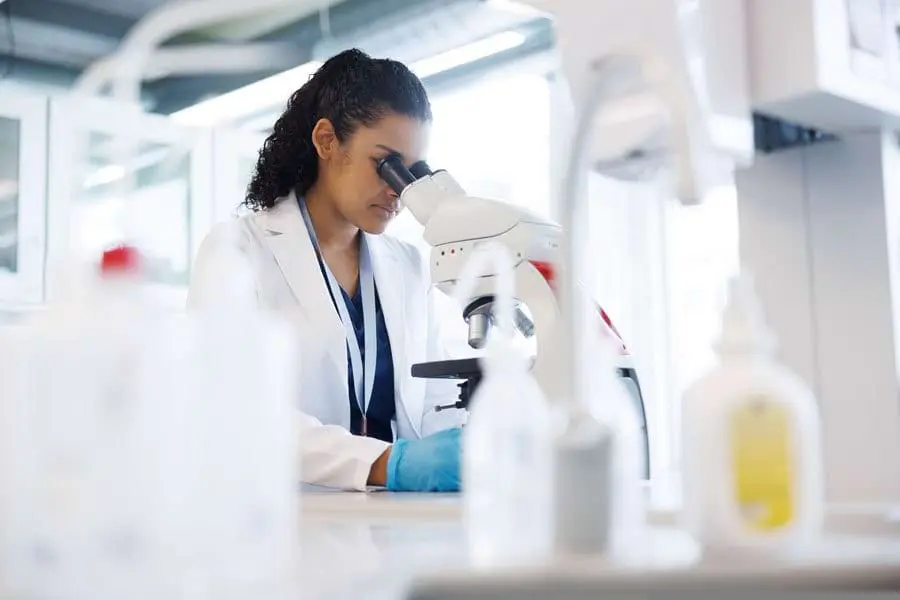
(10, 147)
(703, 255)
(155, 214)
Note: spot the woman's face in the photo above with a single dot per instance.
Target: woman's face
(347, 171)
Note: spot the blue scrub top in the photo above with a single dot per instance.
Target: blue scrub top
(382, 407)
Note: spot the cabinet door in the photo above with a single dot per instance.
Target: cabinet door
(118, 174)
(23, 177)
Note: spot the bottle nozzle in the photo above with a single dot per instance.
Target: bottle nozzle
(744, 329)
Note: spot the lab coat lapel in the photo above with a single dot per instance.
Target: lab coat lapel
(289, 242)
(392, 285)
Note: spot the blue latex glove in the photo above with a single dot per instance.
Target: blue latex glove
(427, 465)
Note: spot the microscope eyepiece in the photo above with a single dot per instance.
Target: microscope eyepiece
(394, 173)
(420, 170)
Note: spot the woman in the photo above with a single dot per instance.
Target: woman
(360, 300)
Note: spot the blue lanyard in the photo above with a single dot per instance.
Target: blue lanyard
(367, 290)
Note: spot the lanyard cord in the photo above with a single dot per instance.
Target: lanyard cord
(364, 384)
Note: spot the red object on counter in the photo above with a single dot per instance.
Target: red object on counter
(120, 259)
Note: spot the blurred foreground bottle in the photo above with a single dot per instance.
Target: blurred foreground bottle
(148, 454)
(751, 457)
(506, 441)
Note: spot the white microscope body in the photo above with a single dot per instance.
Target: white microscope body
(455, 223)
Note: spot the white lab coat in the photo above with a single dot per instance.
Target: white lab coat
(289, 281)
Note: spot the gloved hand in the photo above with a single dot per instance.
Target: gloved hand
(430, 464)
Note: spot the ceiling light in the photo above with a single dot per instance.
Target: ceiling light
(268, 92)
(469, 53)
(248, 99)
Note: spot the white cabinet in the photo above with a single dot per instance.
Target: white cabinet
(118, 174)
(23, 176)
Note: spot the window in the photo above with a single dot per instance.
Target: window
(703, 255)
(9, 194)
(660, 270)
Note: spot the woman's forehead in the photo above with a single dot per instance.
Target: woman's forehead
(405, 135)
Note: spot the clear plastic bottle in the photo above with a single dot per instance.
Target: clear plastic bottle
(751, 458)
(78, 497)
(506, 442)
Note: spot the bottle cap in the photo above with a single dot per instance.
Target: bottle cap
(744, 329)
(120, 260)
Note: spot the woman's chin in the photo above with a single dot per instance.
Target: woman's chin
(376, 224)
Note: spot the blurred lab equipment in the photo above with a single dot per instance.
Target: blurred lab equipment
(823, 115)
(752, 455)
(506, 442)
(686, 67)
(430, 464)
(140, 468)
(455, 224)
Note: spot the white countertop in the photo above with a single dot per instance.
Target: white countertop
(375, 545)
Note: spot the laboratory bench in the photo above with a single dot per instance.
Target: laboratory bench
(389, 546)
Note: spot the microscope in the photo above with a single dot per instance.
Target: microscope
(455, 223)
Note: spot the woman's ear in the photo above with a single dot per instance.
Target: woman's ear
(324, 139)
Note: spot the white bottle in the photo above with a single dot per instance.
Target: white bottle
(78, 503)
(506, 443)
(751, 458)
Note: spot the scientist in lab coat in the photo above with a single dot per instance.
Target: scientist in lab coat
(360, 300)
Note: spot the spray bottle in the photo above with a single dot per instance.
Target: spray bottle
(506, 441)
(752, 465)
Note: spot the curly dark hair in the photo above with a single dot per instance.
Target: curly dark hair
(351, 90)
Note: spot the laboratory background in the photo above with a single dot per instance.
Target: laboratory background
(737, 199)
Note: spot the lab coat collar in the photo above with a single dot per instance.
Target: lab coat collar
(293, 250)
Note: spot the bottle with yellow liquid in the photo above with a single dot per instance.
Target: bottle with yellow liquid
(751, 449)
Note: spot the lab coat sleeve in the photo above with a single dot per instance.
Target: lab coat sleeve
(329, 455)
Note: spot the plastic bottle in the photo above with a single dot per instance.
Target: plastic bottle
(78, 499)
(506, 441)
(752, 463)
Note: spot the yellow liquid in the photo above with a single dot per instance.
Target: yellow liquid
(762, 463)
